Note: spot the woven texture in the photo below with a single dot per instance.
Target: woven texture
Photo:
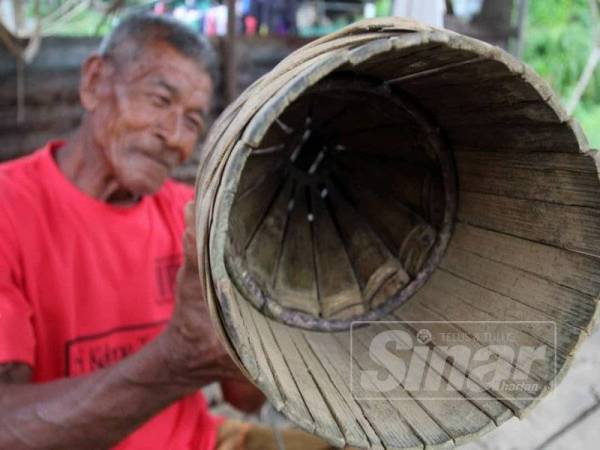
(392, 172)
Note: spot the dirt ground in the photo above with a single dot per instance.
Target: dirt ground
(567, 419)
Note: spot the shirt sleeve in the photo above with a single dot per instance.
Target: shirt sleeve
(17, 342)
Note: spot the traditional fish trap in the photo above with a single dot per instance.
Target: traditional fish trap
(417, 180)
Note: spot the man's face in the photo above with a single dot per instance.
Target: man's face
(148, 116)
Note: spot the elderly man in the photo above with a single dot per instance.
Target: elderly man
(90, 243)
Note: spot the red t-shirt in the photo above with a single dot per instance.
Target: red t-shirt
(84, 284)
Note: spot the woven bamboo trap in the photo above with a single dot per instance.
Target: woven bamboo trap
(388, 173)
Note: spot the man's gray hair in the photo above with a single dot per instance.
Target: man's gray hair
(141, 29)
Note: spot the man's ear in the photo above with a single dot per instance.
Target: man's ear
(95, 81)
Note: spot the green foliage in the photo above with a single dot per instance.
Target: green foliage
(85, 24)
(70, 20)
(558, 42)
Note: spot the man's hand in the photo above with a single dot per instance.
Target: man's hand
(242, 395)
(192, 346)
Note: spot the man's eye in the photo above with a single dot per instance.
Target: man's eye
(160, 100)
(193, 123)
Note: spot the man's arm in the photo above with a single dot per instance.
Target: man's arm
(95, 411)
(98, 410)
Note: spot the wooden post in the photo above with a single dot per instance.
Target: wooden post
(230, 57)
(521, 22)
(584, 80)
(592, 62)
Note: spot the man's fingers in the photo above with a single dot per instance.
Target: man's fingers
(189, 212)
(189, 236)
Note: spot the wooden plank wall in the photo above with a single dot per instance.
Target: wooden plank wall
(52, 107)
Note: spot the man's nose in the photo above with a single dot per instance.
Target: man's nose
(171, 132)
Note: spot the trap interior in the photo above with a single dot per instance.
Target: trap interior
(345, 208)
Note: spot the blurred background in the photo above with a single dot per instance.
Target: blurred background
(43, 42)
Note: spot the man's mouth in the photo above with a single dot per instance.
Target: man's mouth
(159, 160)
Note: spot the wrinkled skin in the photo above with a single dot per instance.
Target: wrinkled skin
(143, 120)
